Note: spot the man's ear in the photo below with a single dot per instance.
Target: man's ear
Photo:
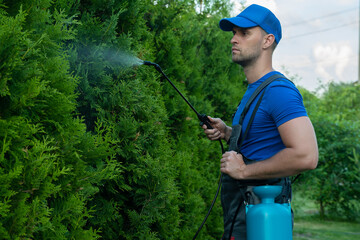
(269, 39)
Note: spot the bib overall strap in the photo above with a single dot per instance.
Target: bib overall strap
(256, 93)
(234, 144)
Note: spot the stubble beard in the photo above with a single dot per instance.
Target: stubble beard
(247, 57)
(245, 60)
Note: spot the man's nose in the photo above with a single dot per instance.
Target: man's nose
(234, 40)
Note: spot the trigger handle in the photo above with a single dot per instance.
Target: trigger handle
(205, 120)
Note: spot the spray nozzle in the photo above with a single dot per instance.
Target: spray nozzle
(149, 63)
(152, 64)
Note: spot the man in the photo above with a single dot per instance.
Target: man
(280, 141)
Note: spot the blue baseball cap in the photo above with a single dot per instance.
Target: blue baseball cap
(252, 16)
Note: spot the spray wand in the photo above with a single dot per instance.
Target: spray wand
(203, 120)
(202, 117)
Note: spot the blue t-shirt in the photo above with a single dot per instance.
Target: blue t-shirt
(281, 102)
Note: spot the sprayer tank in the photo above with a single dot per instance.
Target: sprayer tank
(268, 220)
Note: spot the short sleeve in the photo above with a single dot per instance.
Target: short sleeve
(284, 102)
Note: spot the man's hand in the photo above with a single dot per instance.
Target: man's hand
(220, 130)
(233, 164)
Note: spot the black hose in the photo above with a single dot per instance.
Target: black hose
(204, 120)
(214, 199)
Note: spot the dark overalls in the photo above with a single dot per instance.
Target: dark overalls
(235, 194)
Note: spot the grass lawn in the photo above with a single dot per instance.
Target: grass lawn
(314, 228)
(308, 224)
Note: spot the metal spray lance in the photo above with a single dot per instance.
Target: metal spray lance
(202, 117)
(203, 120)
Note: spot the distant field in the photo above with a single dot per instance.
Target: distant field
(326, 230)
(308, 225)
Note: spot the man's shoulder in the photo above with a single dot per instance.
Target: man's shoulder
(282, 84)
(280, 80)
(283, 101)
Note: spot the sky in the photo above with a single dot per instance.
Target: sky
(320, 40)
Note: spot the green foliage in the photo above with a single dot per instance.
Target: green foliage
(46, 181)
(337, 176)
(335, 182)
(343, 101)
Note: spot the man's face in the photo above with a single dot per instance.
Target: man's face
(246, 45)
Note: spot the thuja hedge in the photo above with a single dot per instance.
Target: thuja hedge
(90, 149)
(50, 166)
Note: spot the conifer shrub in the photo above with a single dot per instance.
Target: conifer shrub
(47, 176)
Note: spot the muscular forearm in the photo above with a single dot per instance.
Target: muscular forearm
(287, 162)
(300, 154)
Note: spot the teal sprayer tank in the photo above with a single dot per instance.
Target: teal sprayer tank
(268, 220)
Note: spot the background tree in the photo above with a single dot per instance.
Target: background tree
(335, 182)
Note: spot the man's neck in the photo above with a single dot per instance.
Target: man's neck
(259, 68)
(253, 73)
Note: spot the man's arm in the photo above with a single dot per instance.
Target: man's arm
(300, 154)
